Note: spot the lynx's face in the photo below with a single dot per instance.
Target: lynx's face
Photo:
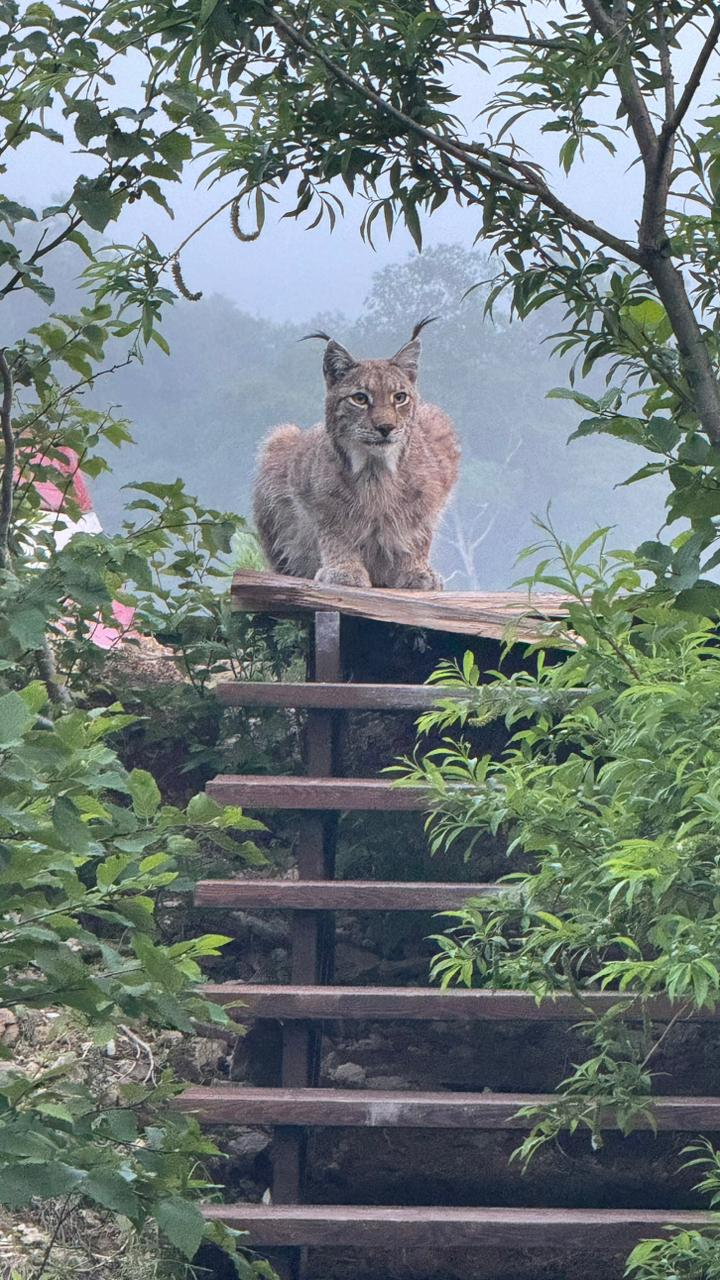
(371, 404)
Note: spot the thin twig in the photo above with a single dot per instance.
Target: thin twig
(141, 1046)
(8, 472)
(63, 1214)
(693, 82)
(201, 226)
(39, 252)
(681, 1013)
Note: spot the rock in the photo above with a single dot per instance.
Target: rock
(9, 1028)
(198, 1060)
(249, 1144)
(349, 1075)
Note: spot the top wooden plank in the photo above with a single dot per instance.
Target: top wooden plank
(495, 615)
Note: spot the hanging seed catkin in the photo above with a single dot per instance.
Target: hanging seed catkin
(245, 236)
(176, 272)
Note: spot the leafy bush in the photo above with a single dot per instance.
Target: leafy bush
(686, 1255)
(85, 849)
(611, 787)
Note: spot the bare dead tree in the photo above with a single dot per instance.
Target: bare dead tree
(466, 528)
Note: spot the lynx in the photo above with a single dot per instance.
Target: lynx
(355, 501)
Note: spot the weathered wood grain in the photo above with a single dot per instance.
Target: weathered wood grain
(429, 1003)
(315, 793)
(338, 895)
(490, 614)
(234, 1104)
(437, 1228)
(333, 697)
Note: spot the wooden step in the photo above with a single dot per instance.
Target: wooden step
(316, 793)
(438, 1228)
(334, 697)
(427, 1004)
(234, 1104)
(493, 614)
(338, 895)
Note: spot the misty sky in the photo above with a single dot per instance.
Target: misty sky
(290, 273)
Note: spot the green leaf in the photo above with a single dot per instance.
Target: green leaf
(15, 718)
(28, 627)
(11, 213)
(157, 964)
(175, 148)
(89, 122)
(412, 222)
(183, 1224)
(702, 598)
(67, 822)
(96, 203)
(145, 793)
(202, 809)
(112, 1190)
(37, 1179)
(648, 315)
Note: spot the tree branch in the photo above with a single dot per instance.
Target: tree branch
(673, 123)
(534, 42)
(481, 161)
(44, 655)
(40, 252)
(697, 9)
(8, 470)
(695, 360)
(657, 181)
(657, 157)
(666, 70)
(632, 96)
(57, 692)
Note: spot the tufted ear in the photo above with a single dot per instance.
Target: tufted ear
(336, 362)
(408, 357)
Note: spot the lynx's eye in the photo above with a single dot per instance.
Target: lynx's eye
(401, 397)
(361, 398)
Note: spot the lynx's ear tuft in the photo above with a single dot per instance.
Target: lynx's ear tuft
(336, 362)
(408, 357)
(421, 324)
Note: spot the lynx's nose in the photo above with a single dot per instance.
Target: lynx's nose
(385, 429)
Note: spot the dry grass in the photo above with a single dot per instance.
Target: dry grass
(87, 1246)
(45, 1242)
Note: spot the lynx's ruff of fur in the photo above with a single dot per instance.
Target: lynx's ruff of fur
(356, 500)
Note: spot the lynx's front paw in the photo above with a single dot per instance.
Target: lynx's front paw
(422, 578)
(344, 575)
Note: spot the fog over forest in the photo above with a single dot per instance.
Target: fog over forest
(236, 367)
(200, 412)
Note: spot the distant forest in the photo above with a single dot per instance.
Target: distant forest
(201, 412)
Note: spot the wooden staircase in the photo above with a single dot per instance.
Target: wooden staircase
(289, 1226)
